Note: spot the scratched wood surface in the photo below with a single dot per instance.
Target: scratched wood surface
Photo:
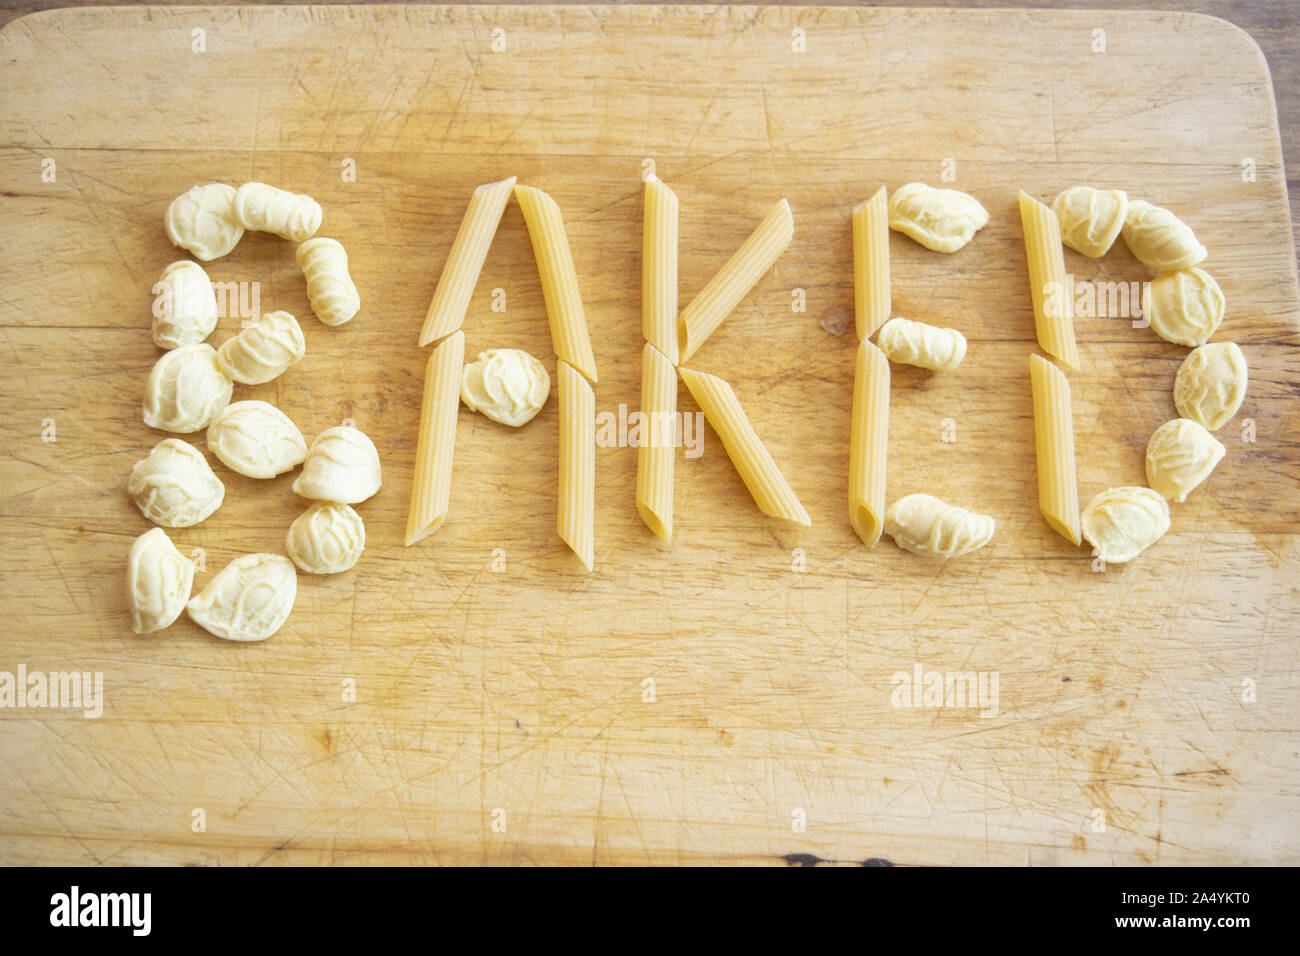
(690, 703)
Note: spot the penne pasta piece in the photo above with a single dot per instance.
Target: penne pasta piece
(659, 268)
(771, 492)
(1053, 310)
(431, 486)
(577, 512)
(564, 310)
(465, 261)
(1058, 488)
(871, 298)
(724, 291)
(654, 456)
(867, 443)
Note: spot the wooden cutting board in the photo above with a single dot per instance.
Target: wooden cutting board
(729, 698)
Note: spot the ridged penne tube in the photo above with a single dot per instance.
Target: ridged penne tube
(871, 297)
(654, 456)
(333, 294)
(659, 269)
(465, 261)
(757, 469)
(1053, 310)
(733, 281)
(576, 517)
(867, 443)
(431, 486)
(564, 311)
(1058, 487)
(264, 208)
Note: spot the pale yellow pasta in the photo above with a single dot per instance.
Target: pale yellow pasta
(925, 346)
(1058, 488)
(1121, 523)
(436, 446)
(1180, 455)
(867, 443)
(757, 469)
(333, 294)
(659, 268)
(1053, 310)
(733, 281)
(655, 455)
(576, 516)
(871, 297)
(264, 208)
(1159, 239)
(1211, 384)
(943, 220)
(263, 350)
(924, 524)
(1091, 219)
(465, 261)
(564, 311)
(1184, 307)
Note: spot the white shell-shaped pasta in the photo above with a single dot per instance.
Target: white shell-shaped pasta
(1091, 219)
(1180, 455)
(256, 439)
(264, 208)
(342, 465)
(925, 346)
(326, 538)
(248, 600)
(158, 581)
(264, 349)
(1159, 239)
(330, 288)
(184, 306)
(202, 220)
(1184, 307)
(186, 388)
(507, 385)
(174, 485)
(940, 219)
(1123, 522)
(1211, 384)
(926, 525)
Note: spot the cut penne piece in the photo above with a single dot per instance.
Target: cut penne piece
(867, 443)
(431, 486)
(757, 469)
(871, 296)
(1058, 488)
(575, 520)
(1053, 310)
(733, 281)
(654, 456)
(465, 262)
(564, 311)
(659, 268)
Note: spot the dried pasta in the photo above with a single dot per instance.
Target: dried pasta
(1058, 488)
(871, 296)
(431, 486)
(1053, 310)
(576, 515)
(465, 261)
(655, 455)
(867, 443)
(923, 524)
(925, 346)
(659, 268)
(330, 289)
(264, 208)
(1121, 523)
(757, 469)
(733, 281)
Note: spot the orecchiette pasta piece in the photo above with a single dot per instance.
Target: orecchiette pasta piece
(1180, 455)
(184, 307)
(326, 538)
(507, 385)
(1123, 522)
(1211, 384)
(264, 349)
(264, 208)
(940, 219)
(925, 525)
(1159, 239)
(174, 485)
(203, 221)
(158, 581)
(926, 346)
(1091, 219)
(330, 288)
(186, 388)
(342, 465)
(1184, 307)
(256, 439)
(248, 600)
